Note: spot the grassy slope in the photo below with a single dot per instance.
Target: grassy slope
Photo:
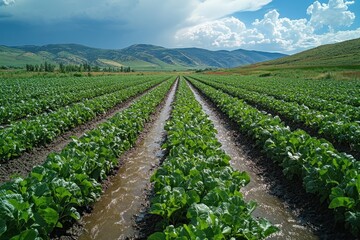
(338, 54)
(17, 58)
(339, 60)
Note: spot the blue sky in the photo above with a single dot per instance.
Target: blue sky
(267, 25)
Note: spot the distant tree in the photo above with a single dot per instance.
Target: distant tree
(62, 68)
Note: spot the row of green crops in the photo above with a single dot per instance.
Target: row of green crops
(196, 191)
(334, 127)
(39, 104)
(294, 94)
(51, 195)
(22, 89)
(26, 134)
(346, 92)
(334, 176)
(16, 90)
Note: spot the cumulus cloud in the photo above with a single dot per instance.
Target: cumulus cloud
(226, 32)
(283, 33)
(333, 15)
(273, 32)
(6, 2)
(286, 33)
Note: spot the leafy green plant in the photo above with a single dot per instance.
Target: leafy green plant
(325, 171)
(196, 190)
(27, 134)
(338, 126)
(53, 192)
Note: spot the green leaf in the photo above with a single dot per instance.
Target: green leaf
(38, 172)
(7, 210)
(200, 214)
(193, 197)
(40, 189)
(50, 216)
(157, 236)
(42, 202)
(158, 209)
(29, 234)
(72, 212)
(267, 228)
(342, 202)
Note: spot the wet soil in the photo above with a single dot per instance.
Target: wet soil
(298, 214)
(116, 213)
(22, 165)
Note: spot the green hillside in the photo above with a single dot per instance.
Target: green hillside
(17, 58)
(331, 61)
(338, 54)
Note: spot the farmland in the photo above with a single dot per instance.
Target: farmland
(67, 141)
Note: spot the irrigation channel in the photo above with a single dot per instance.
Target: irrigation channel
(269, 206)
(113, 216)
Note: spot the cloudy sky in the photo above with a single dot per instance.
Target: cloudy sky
(286, 26)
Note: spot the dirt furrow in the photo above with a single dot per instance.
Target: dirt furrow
(298, 214)
(22, 165)
(114, 215)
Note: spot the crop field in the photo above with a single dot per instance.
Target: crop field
(231, 157)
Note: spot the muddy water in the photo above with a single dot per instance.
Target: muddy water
(269, 206)
(113, 215)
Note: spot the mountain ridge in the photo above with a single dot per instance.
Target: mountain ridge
(138, 56)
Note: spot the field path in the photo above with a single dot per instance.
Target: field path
(23, 165)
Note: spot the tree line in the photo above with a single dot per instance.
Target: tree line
(64, 68)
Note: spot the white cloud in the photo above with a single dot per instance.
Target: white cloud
(6, 2)
(333, 15)
(287, 34)
(272, 32)
(226, 32)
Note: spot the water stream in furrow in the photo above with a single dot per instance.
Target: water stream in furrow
(113, 216)
(269, 206)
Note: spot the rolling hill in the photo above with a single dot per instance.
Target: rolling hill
(345, 53)
(139, 56)
(331, 61)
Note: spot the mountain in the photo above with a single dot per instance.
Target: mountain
(139, 56)
(345, 53)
